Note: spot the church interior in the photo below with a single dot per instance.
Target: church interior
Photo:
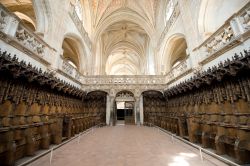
(124, 82)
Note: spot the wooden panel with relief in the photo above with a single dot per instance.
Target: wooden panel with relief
(211, 109)
(37, 109)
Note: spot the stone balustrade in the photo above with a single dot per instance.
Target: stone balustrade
(78, 23)
(70, 70)
(231, 33)
(219, 39)
(126, 79)
(30, 41)
(183, 67)
(13, 31)
(67, 68)
(3, 18)
(244, 17)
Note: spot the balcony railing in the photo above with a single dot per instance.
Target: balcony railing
(70, 70)
(3, 18)
(183, 67)
(79, 24)
(113, 79)
(227, 36)
(22, 37)
(30, 41)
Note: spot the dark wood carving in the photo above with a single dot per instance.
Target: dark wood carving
(212, 108)
(37, 109)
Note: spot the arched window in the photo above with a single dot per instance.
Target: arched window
(78, 9)
(169, 10)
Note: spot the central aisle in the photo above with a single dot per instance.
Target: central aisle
(126, 146)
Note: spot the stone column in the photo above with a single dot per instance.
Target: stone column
(137, 110)
(108, 110)
(112, 118)
(141, 109)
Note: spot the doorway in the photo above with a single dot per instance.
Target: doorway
(124, 108)
(120, 114)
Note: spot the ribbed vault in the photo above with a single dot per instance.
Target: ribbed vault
(123, 46)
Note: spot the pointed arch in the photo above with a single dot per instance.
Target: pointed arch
(174, 51)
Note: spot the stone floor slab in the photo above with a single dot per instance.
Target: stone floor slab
(126, 146)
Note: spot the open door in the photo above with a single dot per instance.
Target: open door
(129, 112)
(124, 108)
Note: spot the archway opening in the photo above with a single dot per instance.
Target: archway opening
(71, 56)
(176, 52)
(24, 10)
(124, 108)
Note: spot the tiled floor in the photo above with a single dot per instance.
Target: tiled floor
(126, 146)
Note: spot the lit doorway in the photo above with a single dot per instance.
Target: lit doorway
(120, 113)
(124, 108)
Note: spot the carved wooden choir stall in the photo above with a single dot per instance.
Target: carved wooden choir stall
(211, 109)
(37, 109)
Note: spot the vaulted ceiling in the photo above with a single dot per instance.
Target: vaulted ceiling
(124, 46)
(100, 9)
(123, 30)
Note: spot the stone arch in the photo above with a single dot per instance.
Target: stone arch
(213, 14)
(34, 14)
(93, 91)
(26, 20)
(125, 107)
(74, 42)
(96, 93)
(24, 10)
(43, 15)
(174, 51)
(152, 92)
(125, 92)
